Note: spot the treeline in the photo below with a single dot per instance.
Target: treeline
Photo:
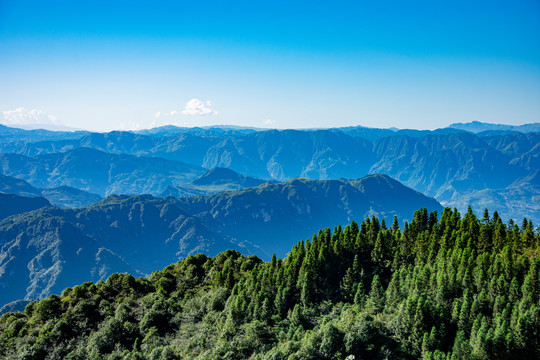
(449, 288)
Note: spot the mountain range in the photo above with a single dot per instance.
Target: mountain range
(99, 172)
(12, 138)
(459, 168)
(62, 196)
(213, 181)
(480, 127)
(45, 250)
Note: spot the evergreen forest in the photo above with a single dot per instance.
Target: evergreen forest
(443, 286)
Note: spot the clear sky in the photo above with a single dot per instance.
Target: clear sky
(105, 65)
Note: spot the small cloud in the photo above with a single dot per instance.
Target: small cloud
(198, 107)
(22, 116)
(269, 122)
(164, 114)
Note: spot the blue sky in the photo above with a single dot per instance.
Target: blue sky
(128, 64)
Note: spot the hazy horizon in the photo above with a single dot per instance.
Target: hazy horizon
(56, 127)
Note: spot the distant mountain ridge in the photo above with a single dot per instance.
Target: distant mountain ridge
(220, 176)
(282, 155)
(473, 126)
(449, 164)
(478, 127)
(96, 171)
(12, 139)
(213, 181)
(48, 249)
(204, 130)
(62, 196)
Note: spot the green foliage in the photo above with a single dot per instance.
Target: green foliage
(454, 288)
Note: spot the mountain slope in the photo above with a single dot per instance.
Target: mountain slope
(224, 176)
(440, 166)
(62, 196)
(148, 232)
(523, 148)
(48, 249)
(98, 172)
(520, 197)
(285, 154)
(14, 204)
(183, 147)
(11, 185)
(279, 213)
(213, 181)
(41, 253)
(68, 197)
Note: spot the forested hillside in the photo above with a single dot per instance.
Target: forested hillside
(449, 288)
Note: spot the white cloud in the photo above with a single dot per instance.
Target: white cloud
(198, 107)
(269, 122)
(193, 107)
(22, 116)
(164, 114)
(173, 117)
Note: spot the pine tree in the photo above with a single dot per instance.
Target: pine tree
(395, 225)
(376, 295)
(485, 218)
(360, 295)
